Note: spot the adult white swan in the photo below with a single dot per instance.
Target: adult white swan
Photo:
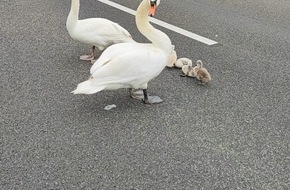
(98, 32)
(131, 65)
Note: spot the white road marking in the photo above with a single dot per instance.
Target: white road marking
(164, 24)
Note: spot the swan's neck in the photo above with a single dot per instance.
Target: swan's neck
(158, 38)
(73, 16)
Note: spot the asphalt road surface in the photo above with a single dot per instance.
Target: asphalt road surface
(231, 134)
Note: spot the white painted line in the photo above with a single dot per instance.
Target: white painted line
(164, 24)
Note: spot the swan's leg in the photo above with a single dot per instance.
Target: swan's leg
(89, 57)
(139, 94)
(136, 93)
(151, 99)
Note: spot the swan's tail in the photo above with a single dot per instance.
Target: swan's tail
(87, 87)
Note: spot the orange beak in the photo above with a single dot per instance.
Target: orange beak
(152, 10)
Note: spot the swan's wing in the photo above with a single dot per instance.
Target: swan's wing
(137, 65)
(112, 52)
(102, 31)
(121, 29)
(131, 69)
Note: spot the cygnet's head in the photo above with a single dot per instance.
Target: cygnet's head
(199, 63)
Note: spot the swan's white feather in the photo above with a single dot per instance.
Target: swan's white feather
(98, 32)
(130, 65)
(135, 65)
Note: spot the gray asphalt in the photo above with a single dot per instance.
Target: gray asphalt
(232, 134)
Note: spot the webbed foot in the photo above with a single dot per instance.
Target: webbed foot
(141, 94)
(153, 100)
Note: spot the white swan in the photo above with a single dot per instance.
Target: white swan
(98, 32)
(131, 65)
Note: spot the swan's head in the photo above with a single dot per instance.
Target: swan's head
(153, 6)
